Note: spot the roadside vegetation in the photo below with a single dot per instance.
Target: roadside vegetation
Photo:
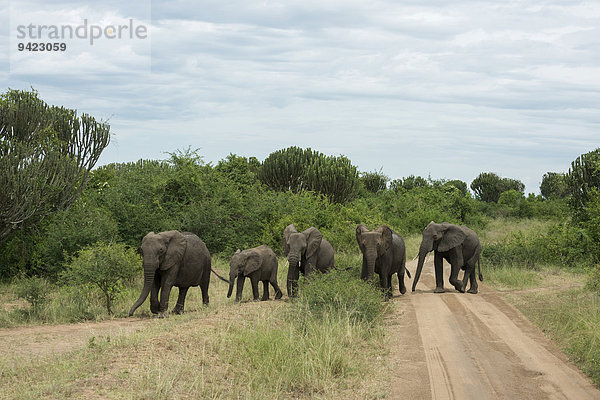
(48, 276)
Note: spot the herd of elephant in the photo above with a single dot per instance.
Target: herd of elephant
(182, 259)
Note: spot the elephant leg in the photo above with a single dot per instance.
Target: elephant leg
(456, 262)
(265, 295)
(278, 293)
(178, 309)
(240, 288)
(438, 263)
(254, 282)
(474, 288)
(165, 292)
(401, 287)
(154, 303)
(204, 283)
(383, 282)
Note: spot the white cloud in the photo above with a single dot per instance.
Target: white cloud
(451, 89)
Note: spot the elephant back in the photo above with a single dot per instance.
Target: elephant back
(196, 262)
(325, 259)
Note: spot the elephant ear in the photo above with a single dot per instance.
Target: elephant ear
(360, 229)
(176, 245)
(453, 236)
(291, 228)
(313, 241)
(252, 263)
(386, 238)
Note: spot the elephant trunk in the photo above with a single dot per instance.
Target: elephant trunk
(293, 274)
(231, 282)
(371, 255)
(148, 281)
(423, 250)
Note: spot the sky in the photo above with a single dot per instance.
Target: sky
(446, 89)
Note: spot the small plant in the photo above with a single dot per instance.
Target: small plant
(108, 266)
(339, 293)
(34, 290)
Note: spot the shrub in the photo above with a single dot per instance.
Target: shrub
(374, 181)
(339, 293)
(34, 290)
(108, 266)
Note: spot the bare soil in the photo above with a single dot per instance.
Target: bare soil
(462, 346)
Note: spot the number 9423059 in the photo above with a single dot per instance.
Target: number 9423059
(43, 46)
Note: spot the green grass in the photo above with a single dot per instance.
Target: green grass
(278, 349)
(510, 277)
(571, 318)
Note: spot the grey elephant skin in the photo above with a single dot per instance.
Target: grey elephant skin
(306, 251)
(383, 253)
(456, 244)
(260, 265)
(172, 259)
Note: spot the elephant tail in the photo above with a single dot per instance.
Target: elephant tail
(408, 273)
(219, 276)
(479, 268)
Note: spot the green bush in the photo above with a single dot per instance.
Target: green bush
(107, 266)
(34, 290)
(339, 293)
(374, 181)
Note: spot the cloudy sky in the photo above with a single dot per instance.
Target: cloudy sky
(441, 88)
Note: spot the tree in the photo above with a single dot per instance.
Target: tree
(108, 266)
(298, 169)
(554, 186)
(583, 182)
(286, 169)
(46, 155)
(374, 181)
(488, 186)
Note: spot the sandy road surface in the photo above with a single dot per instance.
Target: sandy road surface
(463, 346)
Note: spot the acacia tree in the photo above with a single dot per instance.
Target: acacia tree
(46, 155)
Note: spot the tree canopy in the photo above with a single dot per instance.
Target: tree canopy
(46, 155)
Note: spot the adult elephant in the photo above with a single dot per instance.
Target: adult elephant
(383, 252)
(172, 259)
(306, 251)
(456, 244)
(258, 264)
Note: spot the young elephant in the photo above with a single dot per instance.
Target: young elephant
(258, 263)
(384, 253)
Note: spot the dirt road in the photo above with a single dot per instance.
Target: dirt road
(462, 346)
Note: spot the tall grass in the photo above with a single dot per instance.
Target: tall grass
(571, 318)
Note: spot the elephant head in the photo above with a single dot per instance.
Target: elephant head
(162, 251)
(298, 245)
(439, 237)
(242, 264)
(373, 244)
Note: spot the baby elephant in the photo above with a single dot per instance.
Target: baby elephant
(258, 263)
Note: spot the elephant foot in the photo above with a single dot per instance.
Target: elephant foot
(472, 291)
(177, 310)
(278, 295)
(402, 290)
(439, 290)
(264, 299)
